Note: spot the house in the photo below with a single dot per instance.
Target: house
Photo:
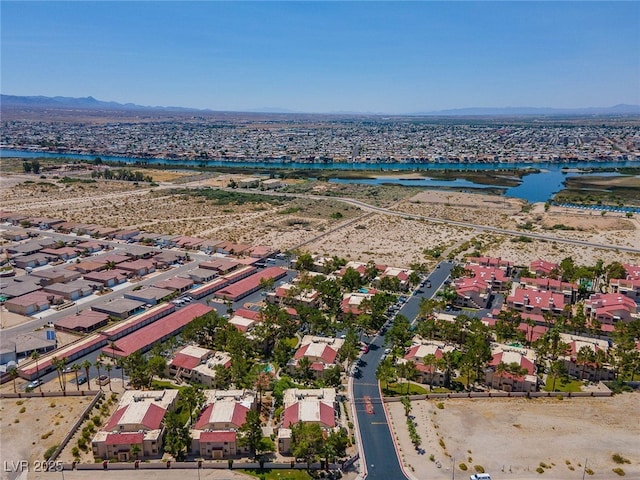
(108, 278)
(351, 301)
(32, 261)
(149, 295)
(401, 274)
(230, 248)
(72, 290)
(262, 251)
(244, 320)
(594, 369)
(119, 308)
(420, 352)
(272, 184)
(138, 268)
(187, 242)
(83, 322)
(307, 406)
(472, 293)
(63, 253)
(202, 275)
(32, 303)
(633, 271)
(627, 287)
(125, 234)
(248, 182)
(542, 268)
(497, 278)
(610, 308)
(534, 301)
(136, 429)
(86, 266)
(289, 294)
(209, 246)
(50, 276)
(183, 362)
(568, 289)
(176, 284)
(491, 262)
(501, 374)
(18, 286)
(322, 352)
(220, 265)
(214, 435)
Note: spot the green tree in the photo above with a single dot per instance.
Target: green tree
(177, 438)
(75, 368)
(386, 372)
(304, 262)
(250, 433)
(59, 365)
(351, 280)
(306, 441)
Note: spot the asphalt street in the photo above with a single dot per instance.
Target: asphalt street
(379, 451)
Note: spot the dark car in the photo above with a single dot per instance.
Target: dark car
(82, 379)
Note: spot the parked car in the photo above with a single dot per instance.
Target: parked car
(82, 379)
(34, 384)
(365, 349)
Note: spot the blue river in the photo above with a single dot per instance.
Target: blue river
(535, 187)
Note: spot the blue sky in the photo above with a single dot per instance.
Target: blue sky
(390, 57)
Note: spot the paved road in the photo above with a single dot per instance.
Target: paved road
(377, 443)
(483, 228)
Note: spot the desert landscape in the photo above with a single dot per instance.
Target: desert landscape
(512, 438)
(324, 225)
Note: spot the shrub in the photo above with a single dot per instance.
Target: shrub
(478, 468)
(75, 451)
(463, 467)
(432, 458)
(44, 436)
(19, 402)
(588, 471)
(23, 409)
(619, 471)
(441, 442)
(440, 406)
(619, 459)
(49, 451)
(540, 470)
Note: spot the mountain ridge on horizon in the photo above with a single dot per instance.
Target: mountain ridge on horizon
(40, 101)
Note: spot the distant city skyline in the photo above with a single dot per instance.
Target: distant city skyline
(325, 57)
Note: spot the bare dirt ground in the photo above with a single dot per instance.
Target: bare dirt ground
(30, 426)
(393, 240)
(512, 438)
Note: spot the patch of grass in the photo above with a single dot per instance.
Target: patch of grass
(269, 474)
(395, 389)
(563, 385)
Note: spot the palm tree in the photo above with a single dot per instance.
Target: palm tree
(99, 364)
(13, 373)
(501, 369)
(35, 356)
(108, 367)
(75, 368)
(557, 370)
(430, 361)
(59, 364)
(262, 383)
(87, 365)
(584, 356)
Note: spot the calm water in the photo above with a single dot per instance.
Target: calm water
(535, 187)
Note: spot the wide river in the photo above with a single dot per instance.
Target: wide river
(535, 187)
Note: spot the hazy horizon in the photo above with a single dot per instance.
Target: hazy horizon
(326, 57)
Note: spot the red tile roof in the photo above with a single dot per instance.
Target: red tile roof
(125, 438)
(219, 436)
(155, 331)
(115, 419)
(185, 361)
(153, 418)
(240, 288)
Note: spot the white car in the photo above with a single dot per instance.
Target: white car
(387, 351)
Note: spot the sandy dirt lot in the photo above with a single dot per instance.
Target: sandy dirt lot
(512, 438)
(388, 239)
(30, 426)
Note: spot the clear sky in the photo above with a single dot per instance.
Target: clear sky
(385, 57)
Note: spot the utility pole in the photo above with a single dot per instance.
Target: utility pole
(585, 468)
(453, 468)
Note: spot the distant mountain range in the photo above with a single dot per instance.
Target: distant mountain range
(90, 103)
